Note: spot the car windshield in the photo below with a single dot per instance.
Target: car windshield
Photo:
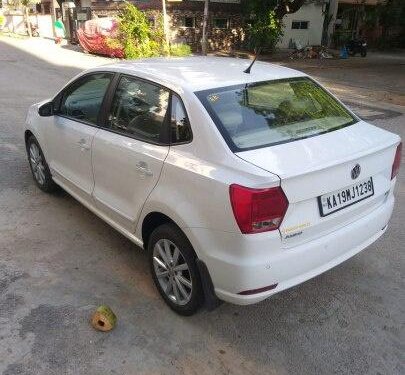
(273, 112)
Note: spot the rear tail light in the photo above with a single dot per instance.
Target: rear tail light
(397, 161)
(258, 210)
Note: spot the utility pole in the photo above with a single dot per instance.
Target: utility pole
(166, 26)
(204, 33)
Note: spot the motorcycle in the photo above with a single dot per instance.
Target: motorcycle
(357, 46)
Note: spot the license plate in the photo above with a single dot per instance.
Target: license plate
(339, 199)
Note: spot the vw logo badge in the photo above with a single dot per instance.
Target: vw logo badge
(355, 171)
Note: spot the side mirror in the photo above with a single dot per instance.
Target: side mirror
(46, 110)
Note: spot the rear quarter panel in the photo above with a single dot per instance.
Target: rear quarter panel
(193, 189)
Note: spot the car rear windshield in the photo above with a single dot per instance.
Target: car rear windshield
(273, 112)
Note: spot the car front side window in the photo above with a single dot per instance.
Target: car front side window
(83, 99)
(139, 109)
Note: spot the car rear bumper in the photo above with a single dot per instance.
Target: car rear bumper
(240, 263)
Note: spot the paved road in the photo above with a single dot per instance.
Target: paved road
(58, 262)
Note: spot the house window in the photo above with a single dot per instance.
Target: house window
(188, 22)
(220, 23)
(300, 25)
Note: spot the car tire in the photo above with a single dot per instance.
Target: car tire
(173, 266)
(39, 167)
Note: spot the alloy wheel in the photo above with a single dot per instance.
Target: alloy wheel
(37, 163)
(172, 272)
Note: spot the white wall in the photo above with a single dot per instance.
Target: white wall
(313, 35)
(45, 26)
(16, 24)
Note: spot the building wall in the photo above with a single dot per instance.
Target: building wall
(312, 13)
(218, 39)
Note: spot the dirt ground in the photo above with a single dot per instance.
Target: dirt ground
(58, 262)
(378, 77)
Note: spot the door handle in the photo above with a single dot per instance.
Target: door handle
(83, 144)
(143, 168)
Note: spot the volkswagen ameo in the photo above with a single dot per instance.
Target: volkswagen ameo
(238, 184)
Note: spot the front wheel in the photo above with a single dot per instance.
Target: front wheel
(39, 167)
(363, 53)
(174, 270)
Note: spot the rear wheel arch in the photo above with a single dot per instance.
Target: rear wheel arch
(154, 220)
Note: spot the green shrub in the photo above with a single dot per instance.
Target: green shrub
(139, 39)
(265, 31)
(180, 50)
(136, 35)
(114, 43)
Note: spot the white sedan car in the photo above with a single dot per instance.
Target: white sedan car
(239, 185)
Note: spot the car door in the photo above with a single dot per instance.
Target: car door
(74, 125)
(128, 153)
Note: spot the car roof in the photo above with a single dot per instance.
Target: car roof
(202, 73)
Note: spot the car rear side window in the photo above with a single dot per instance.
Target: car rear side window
(179, 124)
(82, 100)
(273, 112)
(139, 109)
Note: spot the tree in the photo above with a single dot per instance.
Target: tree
(26, 5)
(205, 24)
(165, 25)
(279, 7)
(136, 36)
(391, 16)
(266, 20)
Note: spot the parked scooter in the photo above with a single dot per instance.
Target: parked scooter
(357, 46)
(34, 29)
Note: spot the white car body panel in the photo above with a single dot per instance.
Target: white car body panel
(314, 166)
(71, 159)
(259, 260)
(199, 73)
(125, 172)
(189, 183)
